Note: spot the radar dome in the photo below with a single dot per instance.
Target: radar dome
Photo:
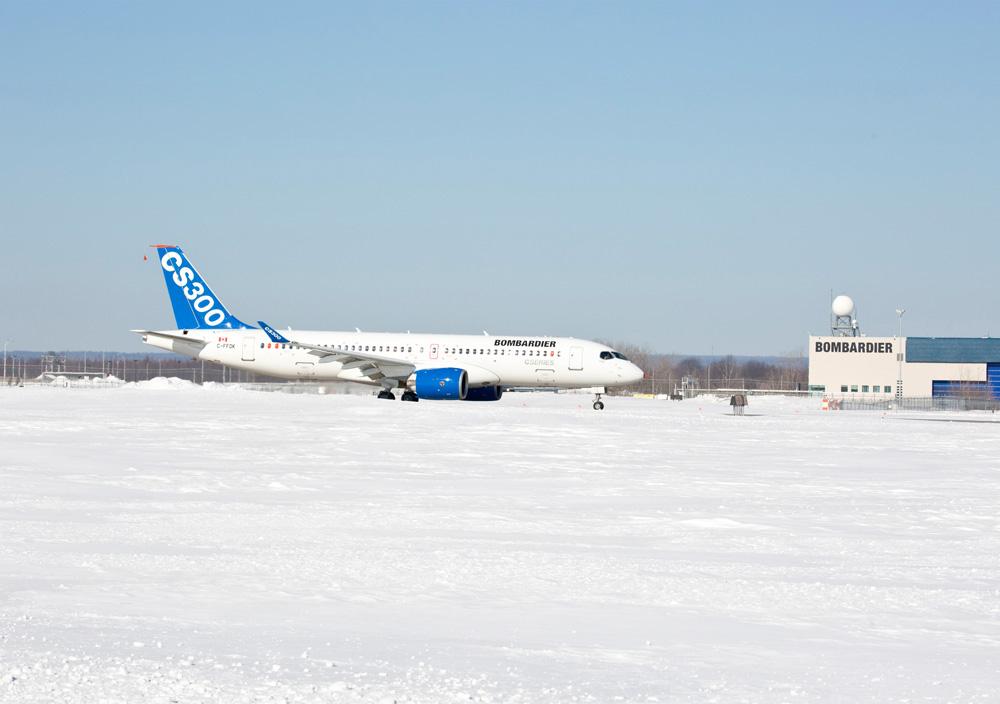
(843, 306)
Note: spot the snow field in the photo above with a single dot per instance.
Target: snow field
(169, 542)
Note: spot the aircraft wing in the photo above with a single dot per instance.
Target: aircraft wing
(372, 366)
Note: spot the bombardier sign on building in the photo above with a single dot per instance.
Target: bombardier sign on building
(882, 367)
(852, 345)
(858, 365)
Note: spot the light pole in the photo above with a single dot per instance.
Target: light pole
(5, 343)
(899, 355)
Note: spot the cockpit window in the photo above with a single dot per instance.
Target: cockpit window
(607, 355)
(619, 355)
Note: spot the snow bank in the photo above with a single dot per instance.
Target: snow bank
(163, 383)
(96, 381)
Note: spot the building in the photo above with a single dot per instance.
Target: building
(846, 363)
(913, 367)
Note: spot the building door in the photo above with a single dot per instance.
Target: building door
(249, 347)
(576, 358)
(993, 380)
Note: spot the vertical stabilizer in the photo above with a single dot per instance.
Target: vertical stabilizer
(195, 305)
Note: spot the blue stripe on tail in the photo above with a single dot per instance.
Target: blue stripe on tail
(195, 305)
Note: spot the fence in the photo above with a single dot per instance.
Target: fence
(29, 368)
(927, 403)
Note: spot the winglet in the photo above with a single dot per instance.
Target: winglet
(271, 332)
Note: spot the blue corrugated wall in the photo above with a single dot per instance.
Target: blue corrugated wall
(993, 379)
(957, 389)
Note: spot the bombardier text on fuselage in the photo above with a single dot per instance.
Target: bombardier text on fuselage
(422, 366)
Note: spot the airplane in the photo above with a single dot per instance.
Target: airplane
(422, 366)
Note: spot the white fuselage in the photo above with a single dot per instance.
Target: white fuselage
(562, 362)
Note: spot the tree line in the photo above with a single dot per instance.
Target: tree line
(664, 372)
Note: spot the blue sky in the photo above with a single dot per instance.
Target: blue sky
(692, 177)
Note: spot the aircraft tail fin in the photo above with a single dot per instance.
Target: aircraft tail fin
(195, 305)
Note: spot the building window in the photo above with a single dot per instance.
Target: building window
(843, 389)
(864, 389)
(887, 388)
(854, 388)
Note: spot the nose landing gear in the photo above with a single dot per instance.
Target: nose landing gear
(598, 403)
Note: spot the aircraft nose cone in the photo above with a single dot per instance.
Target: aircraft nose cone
(633, 374)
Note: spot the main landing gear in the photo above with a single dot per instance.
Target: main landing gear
(389, 396)
(598, 403)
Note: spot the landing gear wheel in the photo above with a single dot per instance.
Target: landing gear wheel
(386, 394)
(598, 405)
(409, 396)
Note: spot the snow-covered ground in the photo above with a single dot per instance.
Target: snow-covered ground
(165, 542)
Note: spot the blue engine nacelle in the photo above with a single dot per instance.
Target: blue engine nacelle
(445, 384)
(485, 393)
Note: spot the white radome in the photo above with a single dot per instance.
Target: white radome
(843, 306)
